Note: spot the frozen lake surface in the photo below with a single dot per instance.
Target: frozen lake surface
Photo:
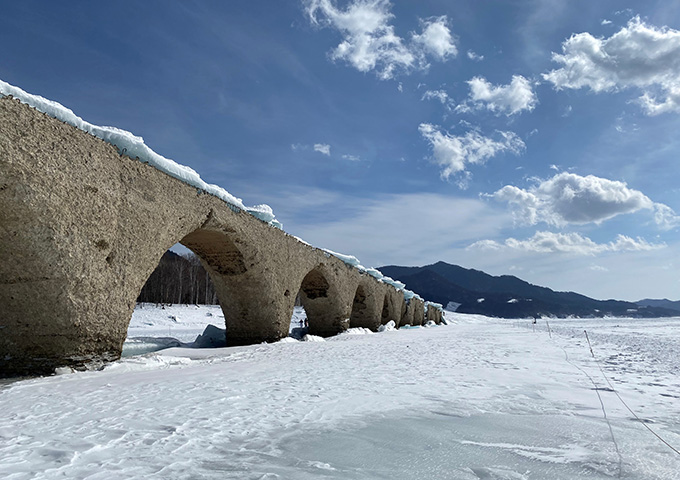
(480, 399)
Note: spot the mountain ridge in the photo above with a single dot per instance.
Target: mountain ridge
(508, 296)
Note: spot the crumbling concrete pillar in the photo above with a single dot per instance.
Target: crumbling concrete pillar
(407, 317)
(327, 294)
(418, 311)
(433, 314)
(392, 306)
(367, 304)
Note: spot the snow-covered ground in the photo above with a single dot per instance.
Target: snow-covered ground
(480, 399)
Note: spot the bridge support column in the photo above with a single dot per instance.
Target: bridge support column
(434, 314)
(407, 318)
(366, 306)
(392, 306)
(418, 311)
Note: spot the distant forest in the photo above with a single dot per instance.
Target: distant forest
(179, 279)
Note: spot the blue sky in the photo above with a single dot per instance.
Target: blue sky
(537, 138)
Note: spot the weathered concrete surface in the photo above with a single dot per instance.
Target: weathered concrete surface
(433, 314)
(392, 306)
(418, 311)
(367, 305)
(82, 228)
(407, 316)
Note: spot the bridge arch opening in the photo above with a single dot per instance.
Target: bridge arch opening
(313, 299)
(180, 302)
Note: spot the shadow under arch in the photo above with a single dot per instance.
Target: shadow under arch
(327, 311)
(216, 251)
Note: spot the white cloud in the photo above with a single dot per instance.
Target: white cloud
(509, 99)
(351, 158)
(439, 95)
(473, 56)
(637, 56)
(606, 22)
(572, 243)
(323, 148)
(370, 43)
(453, 153)
(317, 147)
(665, 217)
(568, 198)
(436, 38)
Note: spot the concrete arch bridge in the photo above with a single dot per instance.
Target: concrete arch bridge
(82, 228)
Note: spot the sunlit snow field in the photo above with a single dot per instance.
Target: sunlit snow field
(480, 399)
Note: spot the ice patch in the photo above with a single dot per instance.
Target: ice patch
(212, 337)
(321, 465)
(358, 331)
(566, 454)
(146, 362)
(288, 340)
(143, 345)
(313, 338)
(496, 473)
(63, 370)
(388, 327)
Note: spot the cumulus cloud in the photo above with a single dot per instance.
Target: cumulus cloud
(473, 56)
(453, 153)
(323, 148)
(436, 38)
(637, 56)
(369, 40)
(509, 99)
(568, 198)
(351, 158)
(573, 243)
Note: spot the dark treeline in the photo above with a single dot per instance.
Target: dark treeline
(179, 279)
